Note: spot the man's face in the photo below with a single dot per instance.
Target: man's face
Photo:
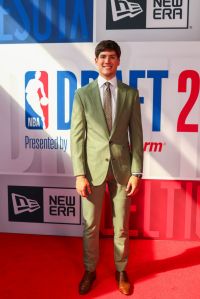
(107, 63)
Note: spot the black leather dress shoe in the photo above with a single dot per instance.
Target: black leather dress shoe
(123, 282)
(86, 282)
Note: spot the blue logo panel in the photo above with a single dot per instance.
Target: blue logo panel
(46, 21)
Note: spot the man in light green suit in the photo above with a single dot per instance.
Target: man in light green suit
(106, 148)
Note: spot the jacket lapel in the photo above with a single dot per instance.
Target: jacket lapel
(121, 95)
(97, 106)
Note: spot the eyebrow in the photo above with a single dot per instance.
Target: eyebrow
(111, 55)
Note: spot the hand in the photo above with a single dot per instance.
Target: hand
(83, 186)
(133, 185)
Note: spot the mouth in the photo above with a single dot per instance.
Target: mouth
(107, 67)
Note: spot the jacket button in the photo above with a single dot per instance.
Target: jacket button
(107, 159)
(110, 142)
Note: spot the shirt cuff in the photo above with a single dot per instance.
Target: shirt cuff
(137, 174)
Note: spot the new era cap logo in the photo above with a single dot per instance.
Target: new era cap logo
(125, 14)
(22, 204)
(124, 8)
(25, 204)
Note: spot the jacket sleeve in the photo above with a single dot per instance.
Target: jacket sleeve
(136, 136)
(77, 136)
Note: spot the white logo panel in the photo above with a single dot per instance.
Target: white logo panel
(167, 14)
(62, 206)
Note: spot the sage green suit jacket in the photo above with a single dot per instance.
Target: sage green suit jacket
(93, 148)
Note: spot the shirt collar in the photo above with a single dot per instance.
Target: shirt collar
(102, 80)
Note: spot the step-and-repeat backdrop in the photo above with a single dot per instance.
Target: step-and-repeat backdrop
(46, 53)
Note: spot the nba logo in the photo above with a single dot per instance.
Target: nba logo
(36, 100)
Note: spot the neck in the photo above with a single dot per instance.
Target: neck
(107, 77)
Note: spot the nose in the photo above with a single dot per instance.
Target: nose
(107, 59)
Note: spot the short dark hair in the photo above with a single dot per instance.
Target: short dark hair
(109, 45)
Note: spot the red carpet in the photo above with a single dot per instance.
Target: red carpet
(50, 267)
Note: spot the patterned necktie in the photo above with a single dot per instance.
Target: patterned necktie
(107, 103)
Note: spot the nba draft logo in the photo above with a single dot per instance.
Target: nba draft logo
(36, 100)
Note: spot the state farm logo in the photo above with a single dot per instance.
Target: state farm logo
(143, 14)
(152, 146)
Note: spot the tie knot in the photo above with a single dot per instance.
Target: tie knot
(107, 84)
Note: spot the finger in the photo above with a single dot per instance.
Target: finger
(135, 189)
(89, 189)
(80, 191)
(132, 190)
(84, 194)
(127, 187)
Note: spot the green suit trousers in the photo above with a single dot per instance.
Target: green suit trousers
(92, 207)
